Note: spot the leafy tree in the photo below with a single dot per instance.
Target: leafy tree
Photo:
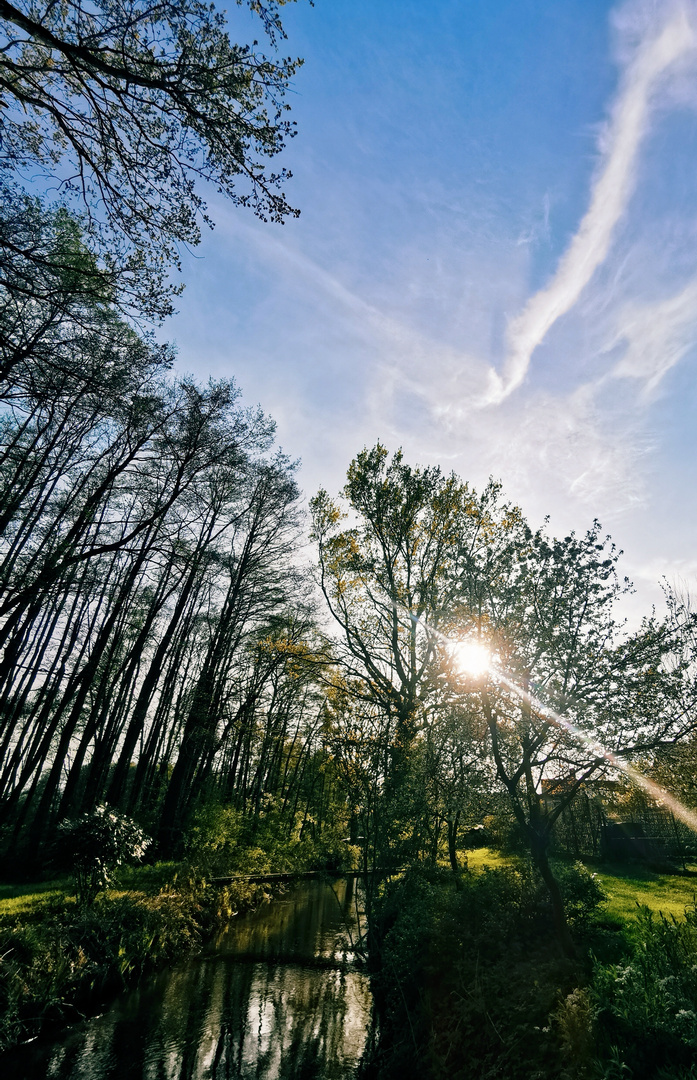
(397, 569)
(148, 533)
(425, 562)
(129, 105)
(256, 589)
(44, 258)
(586, 690)
(454, 770)
(391, 580)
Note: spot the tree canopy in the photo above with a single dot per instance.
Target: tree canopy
(127, 108)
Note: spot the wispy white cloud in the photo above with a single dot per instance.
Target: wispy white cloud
(560, 451)
(538, 230)
(610, 196)
(657, 336)
(410, 359)
(422, 393)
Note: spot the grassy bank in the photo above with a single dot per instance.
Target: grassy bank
(59, 959)
(628, 886)
(470, 981)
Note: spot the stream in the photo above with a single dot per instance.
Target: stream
(278, 995)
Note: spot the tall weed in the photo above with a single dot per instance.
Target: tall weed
(646, 1005)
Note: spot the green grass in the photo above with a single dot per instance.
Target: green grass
(144, 879)
(149, 879)
(628, 886)
(16, 898)
(625, 885)
(485, 856)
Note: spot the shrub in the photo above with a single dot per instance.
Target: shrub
(468, 976)
(61, 954)
(95, 845)
(471, 981)
(583, 894)
(212, 842)
(572, 1022)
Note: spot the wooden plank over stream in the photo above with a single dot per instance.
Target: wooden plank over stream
(300, 875)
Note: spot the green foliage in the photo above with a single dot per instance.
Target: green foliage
(96, 844)
(582, 891)
(57, 955)
(646, 1005)
(136, 107)
(148, 878)
(470, 980)
(222, 840)
(61, 954)
(469, 976)
(412, 562)
(212, 843)
(572, 1021)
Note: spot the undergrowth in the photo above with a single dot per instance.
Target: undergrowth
(469, 982)
(59, 958)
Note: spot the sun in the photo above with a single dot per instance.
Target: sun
(471, 658)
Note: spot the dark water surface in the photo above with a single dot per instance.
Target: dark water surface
(277, 997)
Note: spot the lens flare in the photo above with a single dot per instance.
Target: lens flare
(658, 793)
(471, 657)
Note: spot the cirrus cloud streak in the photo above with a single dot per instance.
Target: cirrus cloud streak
(610, 196)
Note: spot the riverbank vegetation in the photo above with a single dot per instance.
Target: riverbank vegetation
(471, 981)
(62, 959)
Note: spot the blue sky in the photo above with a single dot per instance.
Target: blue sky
(495, 266)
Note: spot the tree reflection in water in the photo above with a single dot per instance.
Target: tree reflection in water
(277, 1000)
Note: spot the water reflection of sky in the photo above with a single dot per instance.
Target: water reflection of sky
(275, 1000)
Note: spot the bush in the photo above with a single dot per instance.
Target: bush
(95, 845)
(582, 892)
(468, 976)
(212, 841)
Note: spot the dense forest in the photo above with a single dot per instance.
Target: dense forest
(151, 612)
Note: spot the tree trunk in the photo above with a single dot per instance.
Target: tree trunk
(453, 825)
(538, 849)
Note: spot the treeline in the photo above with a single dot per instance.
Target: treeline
(157, 647)
(160, 649)
(157, 639)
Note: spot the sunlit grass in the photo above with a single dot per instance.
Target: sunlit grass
(478, 858)
(626, 886)
(16, 899)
